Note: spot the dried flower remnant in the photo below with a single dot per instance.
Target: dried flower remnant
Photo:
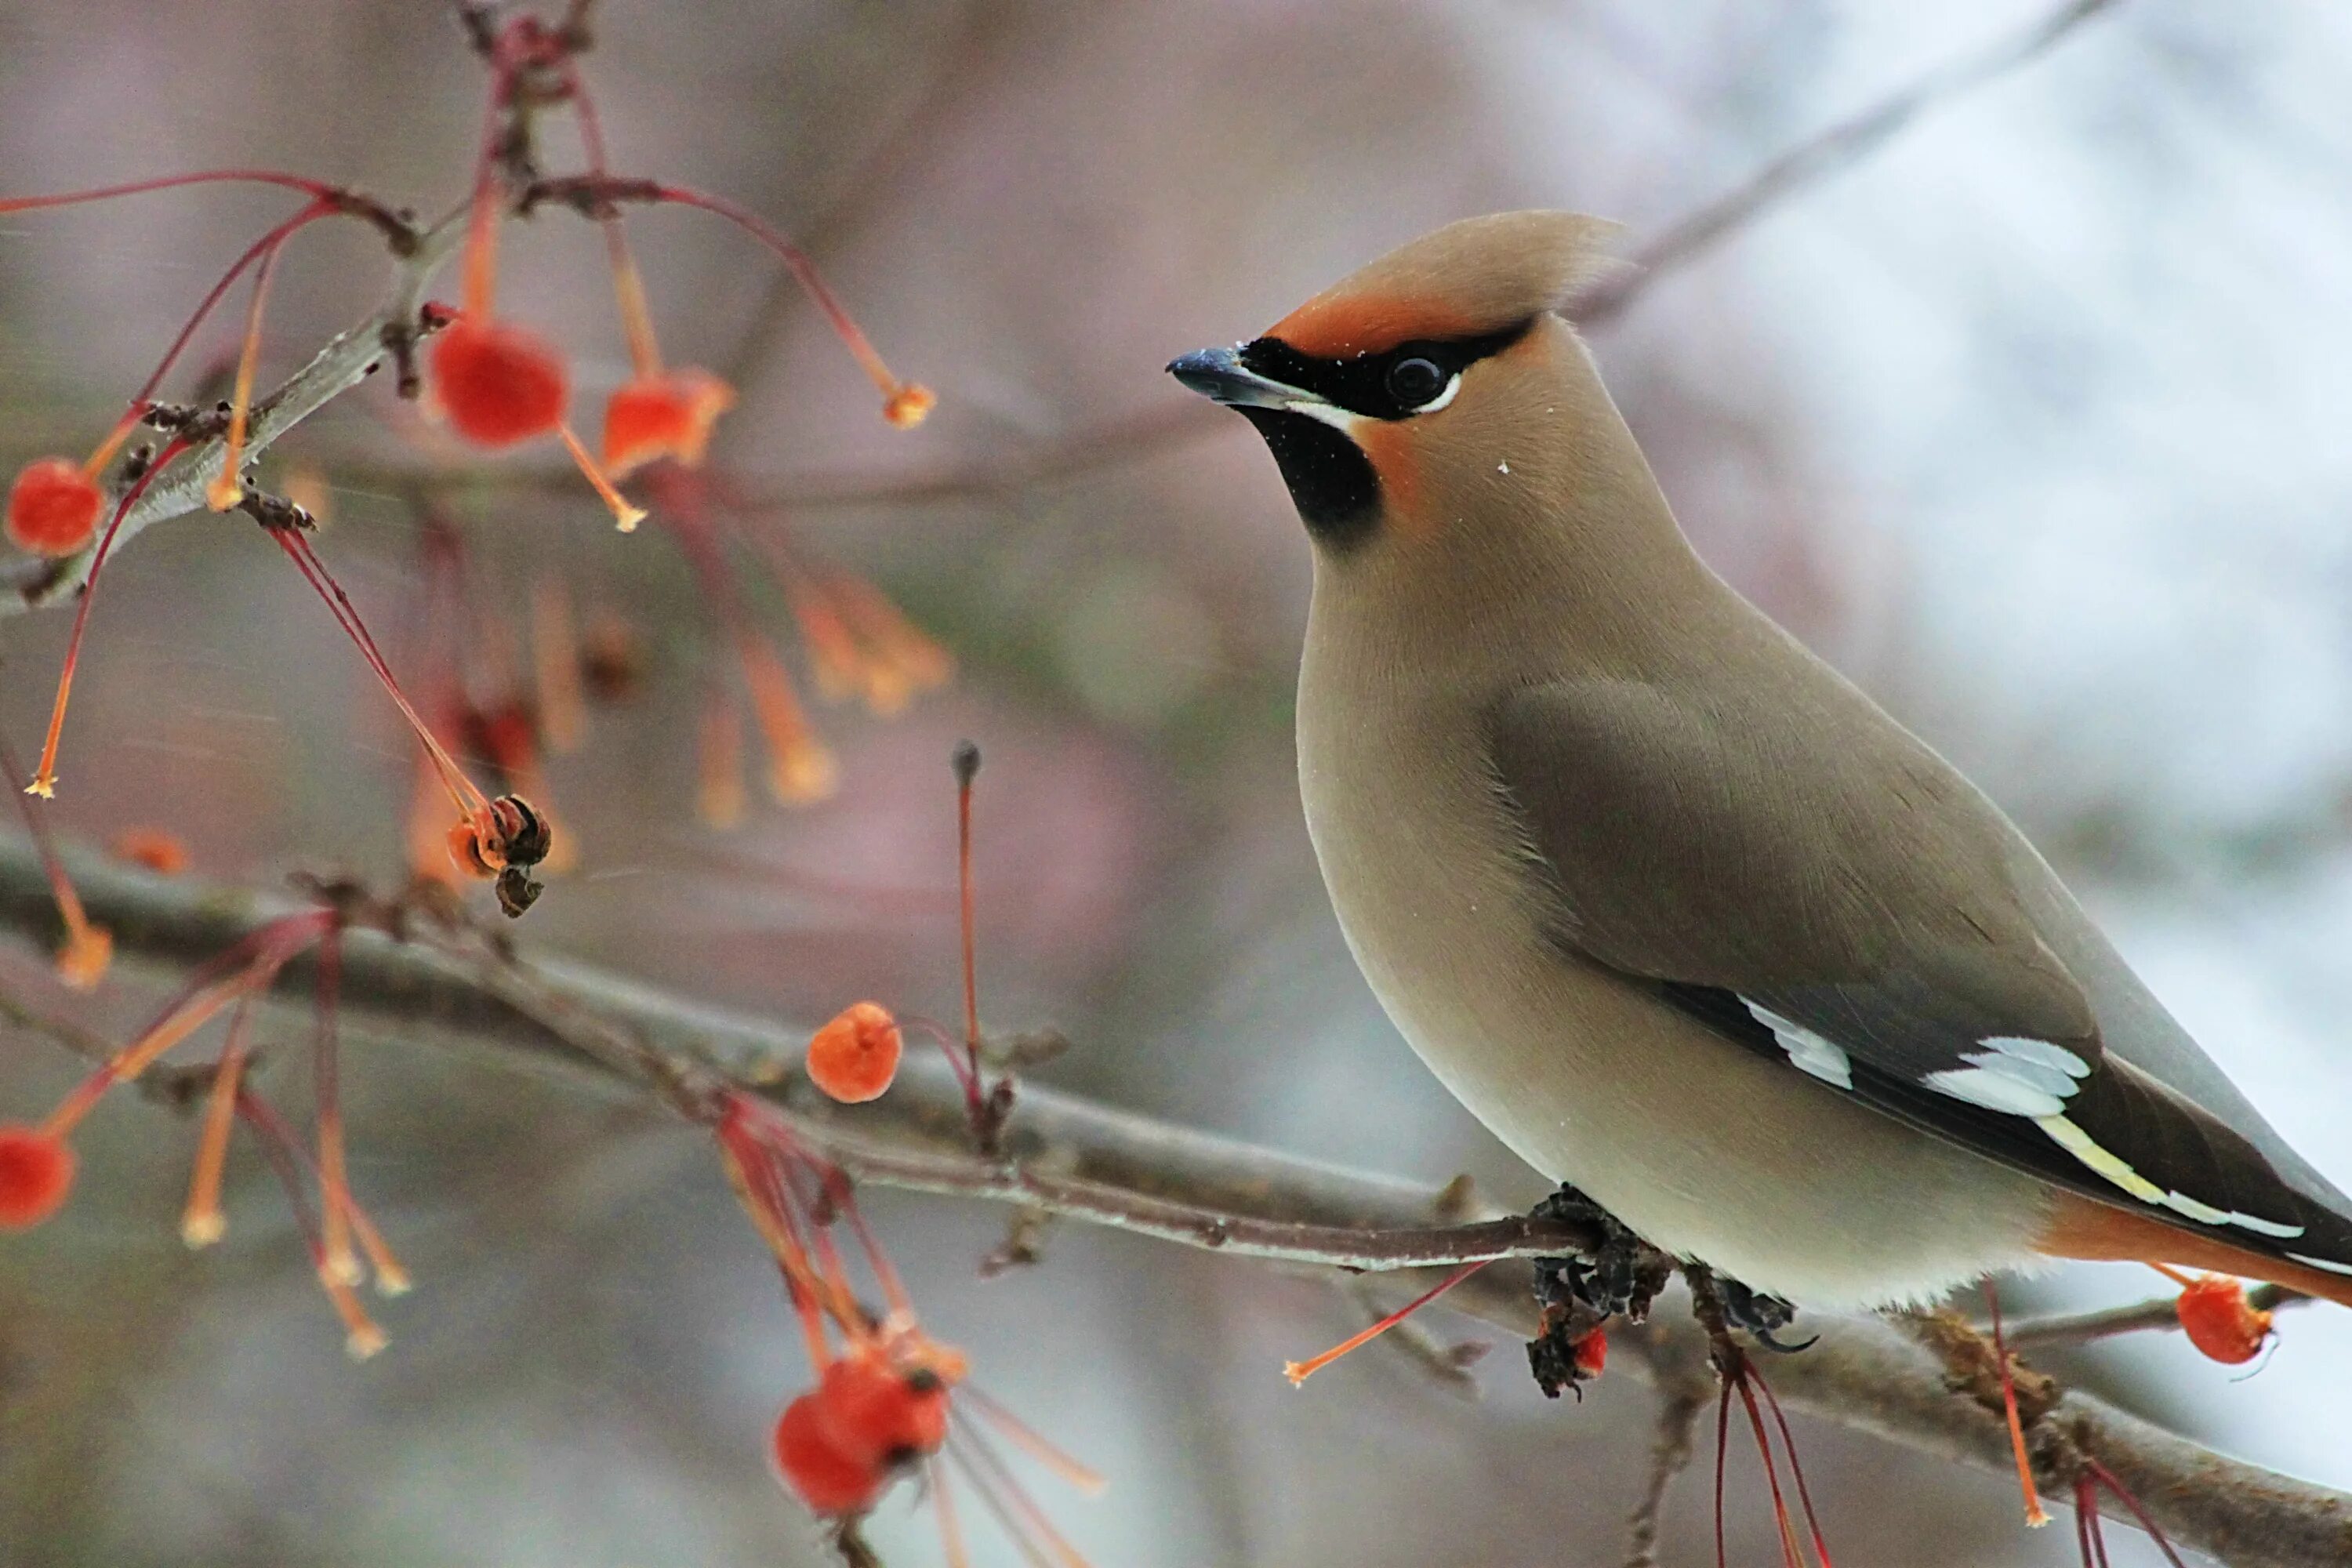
(82, 958)
(499, 840)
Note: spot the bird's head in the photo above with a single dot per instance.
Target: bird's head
(1432, 392)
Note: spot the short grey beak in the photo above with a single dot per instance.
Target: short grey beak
(1220, 376)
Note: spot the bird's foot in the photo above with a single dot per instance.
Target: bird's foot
(1762, 1317)
(1724, 1305)
(1579, 1295)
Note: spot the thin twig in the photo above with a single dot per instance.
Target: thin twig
(1678, 1413)
(1816, 158)
(2158, 1314)
(346, 361)
(1114, 1167)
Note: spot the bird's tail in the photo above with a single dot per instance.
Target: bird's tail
(2096, 1232)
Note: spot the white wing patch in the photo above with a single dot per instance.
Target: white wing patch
(2013, 1074)
(2023, 1077)
(1807, 1050)
(1997, 1088)
(2041, 1053)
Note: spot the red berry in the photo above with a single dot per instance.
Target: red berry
(37, 1172)
(154, 847)
(855, 1057)
(52, 507)
(666, 416)
(831, 1483)
(2221, 1321)
(1592, 1353)
(498, 385)
(882, 1415)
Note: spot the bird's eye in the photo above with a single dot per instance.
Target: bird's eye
(1413, 382)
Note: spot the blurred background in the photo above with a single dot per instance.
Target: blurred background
(2032, 420)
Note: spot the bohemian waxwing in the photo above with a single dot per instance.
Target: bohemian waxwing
(1673, 908)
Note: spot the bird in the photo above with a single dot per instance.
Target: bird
(1675, 910)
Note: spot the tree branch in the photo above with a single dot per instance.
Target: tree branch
(1807, 162)
(2160, 1314)
(346, 361)
(1071, 1156)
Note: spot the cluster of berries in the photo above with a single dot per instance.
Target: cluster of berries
(492, 383)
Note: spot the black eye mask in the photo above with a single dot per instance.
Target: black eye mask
(1394, 385)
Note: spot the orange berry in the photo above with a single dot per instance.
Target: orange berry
(2221, 1321)
(666, 416)
(52, 507)
(882, 1415)
(832, 1484)
(37, 1172)
(855, 1057)
(498, 385)
(154, 848)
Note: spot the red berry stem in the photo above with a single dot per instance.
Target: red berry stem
(45, 777)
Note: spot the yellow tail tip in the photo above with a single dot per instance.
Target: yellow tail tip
(201, 1230)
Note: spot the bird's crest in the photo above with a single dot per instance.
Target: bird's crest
(1479, 275)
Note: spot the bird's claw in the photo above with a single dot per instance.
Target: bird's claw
(1761, 1317)
(1578, 1295)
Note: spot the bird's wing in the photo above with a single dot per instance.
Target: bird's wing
(1836, 895)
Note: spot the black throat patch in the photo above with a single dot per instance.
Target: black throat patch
(1331, 481)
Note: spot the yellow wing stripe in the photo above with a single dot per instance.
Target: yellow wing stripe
(2105, 1162)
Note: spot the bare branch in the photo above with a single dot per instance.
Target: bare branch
(2160, 1313)
(1078, 1159)
(341, 365)
(1816, 159)
(1678, 1413)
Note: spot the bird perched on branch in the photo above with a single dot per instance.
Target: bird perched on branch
(1676, 911)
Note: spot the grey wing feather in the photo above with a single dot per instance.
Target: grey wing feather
(1832, 889)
